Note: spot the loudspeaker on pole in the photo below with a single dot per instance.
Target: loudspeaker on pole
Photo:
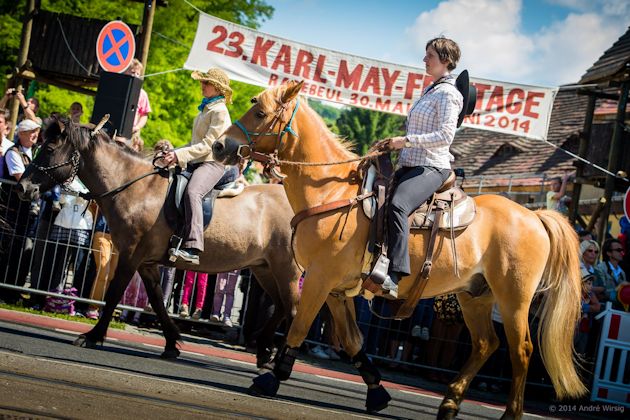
(117, 95)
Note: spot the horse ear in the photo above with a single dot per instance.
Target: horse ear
(293, 89)
(62, 126)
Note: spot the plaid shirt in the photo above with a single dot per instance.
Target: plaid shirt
(431, 126)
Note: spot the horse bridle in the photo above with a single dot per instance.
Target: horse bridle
(75, 159)
(269, 161)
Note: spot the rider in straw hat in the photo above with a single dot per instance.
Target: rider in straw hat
(213, 119)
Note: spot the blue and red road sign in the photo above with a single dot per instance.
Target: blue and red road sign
(115, 46)
(626, 203)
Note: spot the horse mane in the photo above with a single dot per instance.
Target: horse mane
(269, 100)
(80, 136)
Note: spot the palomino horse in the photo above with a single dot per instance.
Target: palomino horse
(249, 230)
(506, 255)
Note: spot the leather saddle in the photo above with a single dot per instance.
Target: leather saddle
(450, 208)
(174, 203)
(458, 208)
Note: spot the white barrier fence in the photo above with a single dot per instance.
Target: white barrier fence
(611, 383)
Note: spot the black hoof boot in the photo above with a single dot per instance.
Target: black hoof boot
(447, 413)
(265, 385)
(84, 341)
(171, 354)
(263, 358)
(377, 399)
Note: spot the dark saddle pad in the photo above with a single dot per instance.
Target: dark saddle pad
(174, 203)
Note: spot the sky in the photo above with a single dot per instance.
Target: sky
(536, 42)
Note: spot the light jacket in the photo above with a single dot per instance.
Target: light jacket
(208, 126)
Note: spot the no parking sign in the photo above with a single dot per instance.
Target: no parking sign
(626, 204)
(115, 46)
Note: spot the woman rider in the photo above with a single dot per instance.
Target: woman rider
(425, 159)
(213, 119)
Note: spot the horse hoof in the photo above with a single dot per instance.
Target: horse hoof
(447, 413)
(83, 341)
(171, 354)
(377, 399)
(265, 385)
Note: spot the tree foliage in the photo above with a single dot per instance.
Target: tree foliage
(328, 113)
(174, 96)
(365, 126)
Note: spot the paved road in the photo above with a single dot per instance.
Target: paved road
(42, 375)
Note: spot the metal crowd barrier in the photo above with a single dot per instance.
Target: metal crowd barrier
(35, 264)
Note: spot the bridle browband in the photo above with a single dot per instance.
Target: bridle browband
(270, 161)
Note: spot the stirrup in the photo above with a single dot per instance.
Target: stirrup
(389, 288)
(185, 256)
(176, 243)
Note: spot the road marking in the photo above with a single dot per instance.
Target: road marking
(242, 362)
(152, 345)
(492, 407)
(345, 381)
(61, 330)
(435, 397)
(194, 353)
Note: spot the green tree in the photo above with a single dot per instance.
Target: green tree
(174, 96)
(329, 113)
(365, 126)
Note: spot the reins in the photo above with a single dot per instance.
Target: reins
(270, 161)
(156, 171)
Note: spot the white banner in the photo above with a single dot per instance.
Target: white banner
(260, 59)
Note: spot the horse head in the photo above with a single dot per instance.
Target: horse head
(264, 130)
(56, 163)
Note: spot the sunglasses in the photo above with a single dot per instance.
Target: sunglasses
(616, 249)
(592, 250)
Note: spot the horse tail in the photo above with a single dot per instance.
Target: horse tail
(561, 288)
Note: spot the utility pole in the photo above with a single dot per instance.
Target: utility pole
(22, 57)
(147, 28)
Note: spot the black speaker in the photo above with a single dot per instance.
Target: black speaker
(117, 95)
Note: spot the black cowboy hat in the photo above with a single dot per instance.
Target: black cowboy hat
(469, 92)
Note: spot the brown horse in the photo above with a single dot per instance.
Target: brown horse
(249, 230)
(506, 255)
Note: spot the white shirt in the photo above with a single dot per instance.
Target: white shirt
(6, 145)
(14, 160)
(71, 214)
(431, 126)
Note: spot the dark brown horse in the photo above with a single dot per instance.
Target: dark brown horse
(505, 256)
(249, 230)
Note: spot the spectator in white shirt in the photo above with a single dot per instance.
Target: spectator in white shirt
(6, 143)
(425, 159)
(15, 212)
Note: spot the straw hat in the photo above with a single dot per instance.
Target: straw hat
(219, 80)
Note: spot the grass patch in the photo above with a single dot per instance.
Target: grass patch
(113, 324)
